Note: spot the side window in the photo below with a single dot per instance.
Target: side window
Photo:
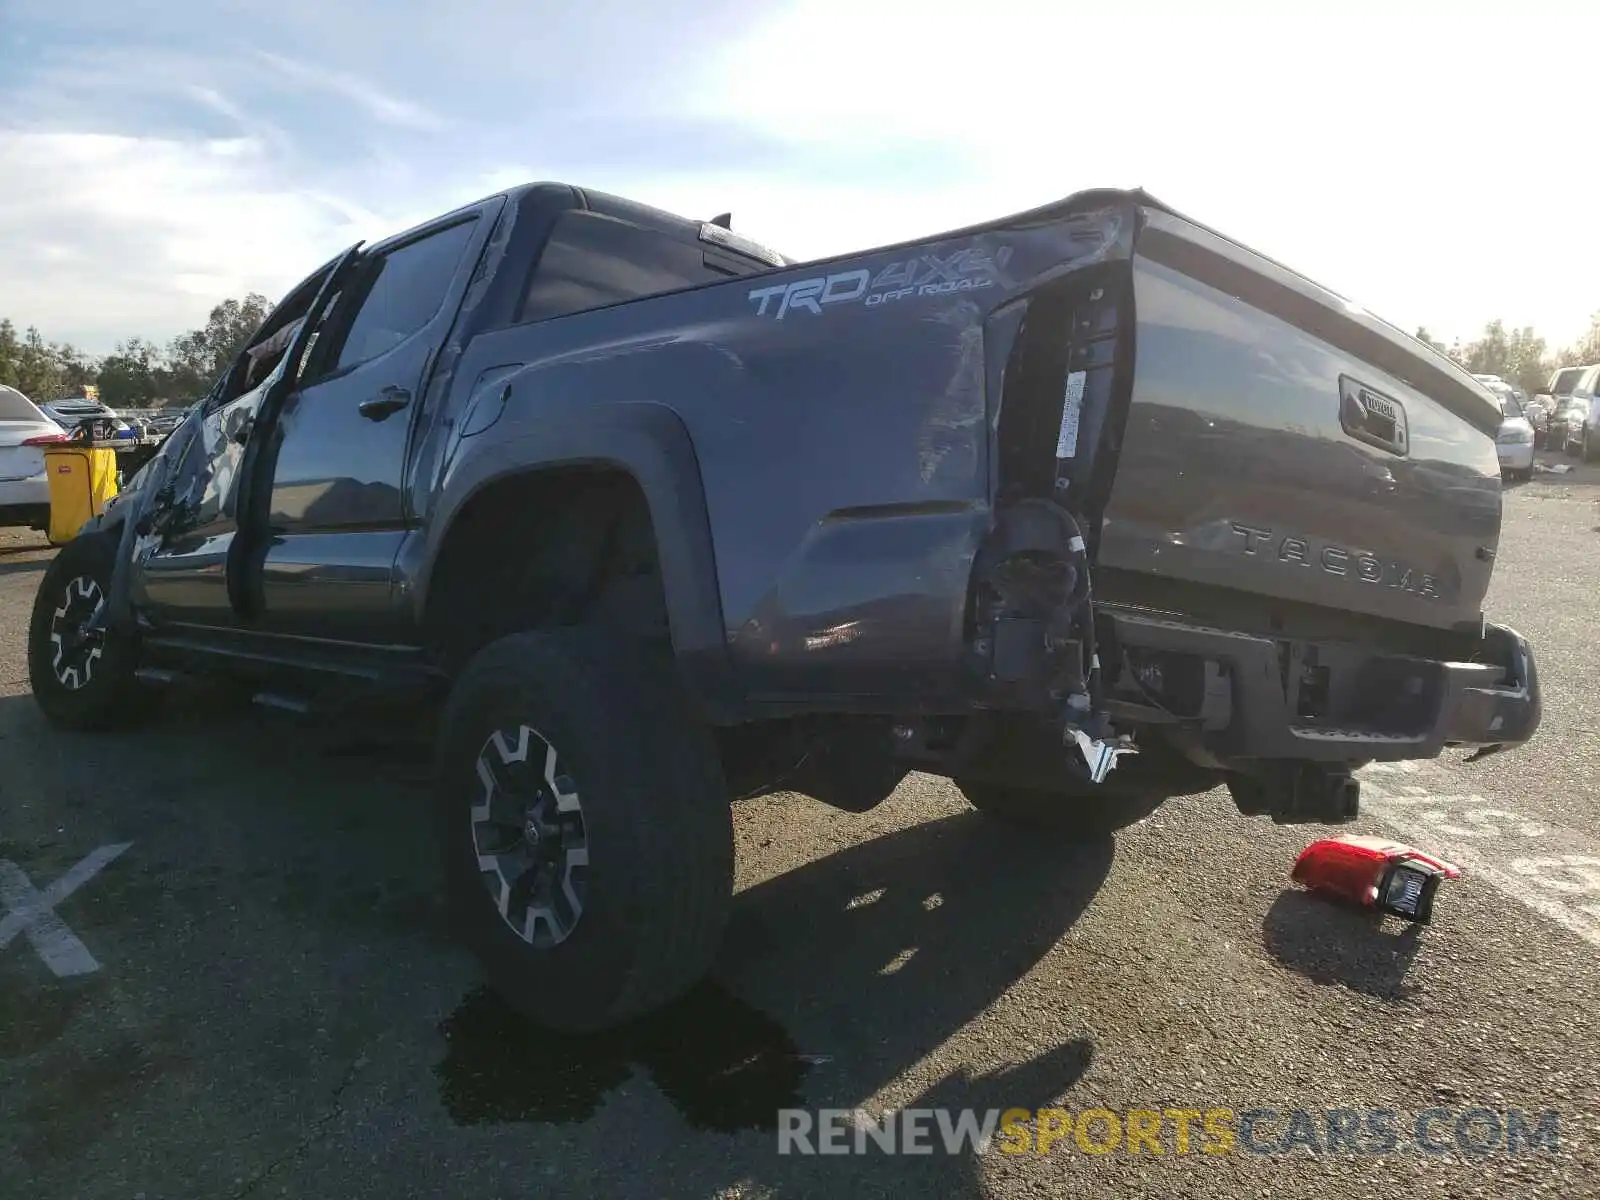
(592, 260)
(400, 293)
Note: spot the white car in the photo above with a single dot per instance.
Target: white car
(24, 489)
(1514, 442)
(69, 414)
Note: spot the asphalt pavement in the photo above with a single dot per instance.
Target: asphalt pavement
(224, 973)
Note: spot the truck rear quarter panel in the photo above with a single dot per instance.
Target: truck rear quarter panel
(840, 418)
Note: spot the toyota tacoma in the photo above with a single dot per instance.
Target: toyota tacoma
(1079, 508)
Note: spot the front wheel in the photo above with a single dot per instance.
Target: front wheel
(1588, 449)
(81, 678)
(584, 826)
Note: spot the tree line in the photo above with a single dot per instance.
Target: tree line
(1519, 356)
(138, 373)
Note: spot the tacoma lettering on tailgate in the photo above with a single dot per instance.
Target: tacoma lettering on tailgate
(1293, 551)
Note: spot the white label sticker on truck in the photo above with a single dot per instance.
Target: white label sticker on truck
(1071, 411)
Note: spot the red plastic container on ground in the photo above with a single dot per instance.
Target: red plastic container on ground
(1375, 872)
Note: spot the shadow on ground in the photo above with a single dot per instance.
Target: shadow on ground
(12, 566)
(1339, 944)
(879, 953)
(837, 979)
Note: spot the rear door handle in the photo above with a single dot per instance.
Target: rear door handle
(385, 404)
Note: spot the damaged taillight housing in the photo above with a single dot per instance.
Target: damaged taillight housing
(1375, 872)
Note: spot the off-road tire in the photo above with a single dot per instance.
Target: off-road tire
(108, 695)
(655, 812)
(1087, 811)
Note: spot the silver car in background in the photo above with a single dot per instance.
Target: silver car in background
(1517, 435)
(1514, 442)
(24, 488)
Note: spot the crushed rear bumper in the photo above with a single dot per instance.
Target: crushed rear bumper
(1374, 705)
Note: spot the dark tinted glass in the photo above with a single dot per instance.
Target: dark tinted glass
(411, 285)
(591, 261)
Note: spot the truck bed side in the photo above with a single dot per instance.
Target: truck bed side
(857, 422)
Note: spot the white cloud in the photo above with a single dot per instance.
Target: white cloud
(104, 237)
(371, 99)
(1410, 155)
(216, 102)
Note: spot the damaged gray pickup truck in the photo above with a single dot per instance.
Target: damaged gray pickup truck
(1080, 508)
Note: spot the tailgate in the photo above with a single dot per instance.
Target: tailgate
(1281, 442)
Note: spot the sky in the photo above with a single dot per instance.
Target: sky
(1434, 162)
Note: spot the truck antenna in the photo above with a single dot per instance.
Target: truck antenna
(725, 220)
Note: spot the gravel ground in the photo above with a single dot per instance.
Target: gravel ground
(275, 1009)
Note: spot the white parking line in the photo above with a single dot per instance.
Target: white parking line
(1552, 869)
(31, 912)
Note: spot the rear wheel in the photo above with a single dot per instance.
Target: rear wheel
(584, 826)
(81, 678)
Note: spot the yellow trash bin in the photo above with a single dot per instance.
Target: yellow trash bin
(83, 479)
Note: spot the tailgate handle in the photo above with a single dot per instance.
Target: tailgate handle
(1370, 416)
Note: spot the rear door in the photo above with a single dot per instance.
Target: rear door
(334, 515)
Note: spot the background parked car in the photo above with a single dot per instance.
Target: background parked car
(24, 488)
(1537, 413)
(1518, 412)
(1515, 439)
(162, 421)
(1576, 426)
(1539, 410)
(69, 414)
(1559, 387)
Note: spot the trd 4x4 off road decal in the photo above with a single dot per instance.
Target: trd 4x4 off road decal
(925, 275)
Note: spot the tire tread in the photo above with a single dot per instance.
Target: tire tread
(685, 846)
